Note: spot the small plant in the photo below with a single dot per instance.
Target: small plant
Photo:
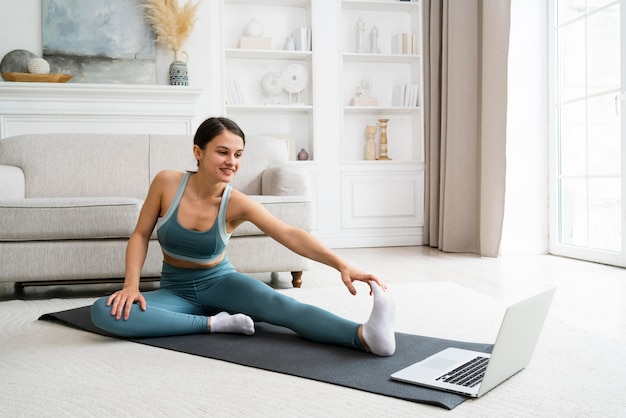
(171, 23)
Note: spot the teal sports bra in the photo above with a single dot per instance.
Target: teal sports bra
(185, 244)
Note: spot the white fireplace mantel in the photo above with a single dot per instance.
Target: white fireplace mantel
(99, 108)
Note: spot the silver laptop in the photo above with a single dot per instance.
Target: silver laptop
(473, 373)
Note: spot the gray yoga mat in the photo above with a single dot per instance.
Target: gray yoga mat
(280, 350)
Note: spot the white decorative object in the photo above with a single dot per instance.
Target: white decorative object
(272, 84)
(365, 88)
(362, 96)
(38, 66)
(295, 79)
(360, 31)
(253, 28)
(374, 41)
(290, 44)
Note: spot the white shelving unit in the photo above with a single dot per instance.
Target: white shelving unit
(382, 201)
(284, 114)
(360, 203)
(386, 71)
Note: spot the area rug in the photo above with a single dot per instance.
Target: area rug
(280, 350)
(49, 369)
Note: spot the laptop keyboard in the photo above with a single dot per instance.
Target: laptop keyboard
(468, 374)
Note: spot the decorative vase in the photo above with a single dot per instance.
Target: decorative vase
(290, 44)
(370, 143)
(303, 155)
(253, 28)
(178, 69)
(383, 139)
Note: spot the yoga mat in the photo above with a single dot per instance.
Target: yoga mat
(280, 350)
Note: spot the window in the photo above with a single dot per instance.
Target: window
(588, 218)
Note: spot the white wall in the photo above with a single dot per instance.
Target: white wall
(526, 206)
(20, 26)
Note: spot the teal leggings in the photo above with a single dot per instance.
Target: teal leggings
(187, 297)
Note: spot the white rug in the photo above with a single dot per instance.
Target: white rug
(47, 369)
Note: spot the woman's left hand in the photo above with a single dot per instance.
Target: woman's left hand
(349, 275)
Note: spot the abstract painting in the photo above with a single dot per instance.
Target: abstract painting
(97, 41)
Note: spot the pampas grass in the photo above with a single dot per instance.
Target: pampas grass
(171, 24)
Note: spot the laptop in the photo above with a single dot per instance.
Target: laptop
(473, 373)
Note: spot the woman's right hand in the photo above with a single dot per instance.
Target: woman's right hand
(122, 301)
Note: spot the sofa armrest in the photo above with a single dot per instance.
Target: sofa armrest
(12, 182)
(285, 180)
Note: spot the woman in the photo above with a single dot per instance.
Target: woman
(194, 214)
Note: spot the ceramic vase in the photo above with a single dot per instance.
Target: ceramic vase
(178, 69)
(303, 155)
(370, 142)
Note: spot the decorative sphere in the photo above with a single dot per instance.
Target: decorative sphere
(253, 28)
(16, 61)
(38, 66)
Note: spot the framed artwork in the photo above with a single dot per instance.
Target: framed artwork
(96, 41)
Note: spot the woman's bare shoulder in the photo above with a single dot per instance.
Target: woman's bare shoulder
(169, 175)
(166, 181)
(166, 177)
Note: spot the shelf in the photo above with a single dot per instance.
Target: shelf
(305, 109)
(285, 3)
(381, 58)
(368, 110)
(390, 165)
(128, 92)
(98, 99)
(268, 54)
(388, 6)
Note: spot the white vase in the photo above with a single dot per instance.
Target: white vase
(253, 28)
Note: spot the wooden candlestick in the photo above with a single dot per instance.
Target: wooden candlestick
(383, 139)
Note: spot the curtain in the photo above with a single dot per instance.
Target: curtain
(465, 77)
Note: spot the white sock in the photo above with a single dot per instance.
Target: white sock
(239, 323)
(378, 331)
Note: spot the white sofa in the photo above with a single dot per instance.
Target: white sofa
(69, 202)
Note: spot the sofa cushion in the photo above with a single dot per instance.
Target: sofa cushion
(259, 153)
(80, 165)
(11, 182)
(42, 219)
(171, 152)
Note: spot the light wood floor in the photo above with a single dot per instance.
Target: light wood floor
(588, 295)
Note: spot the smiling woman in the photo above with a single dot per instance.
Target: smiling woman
(195, 214)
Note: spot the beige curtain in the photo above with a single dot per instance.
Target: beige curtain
(465, 61)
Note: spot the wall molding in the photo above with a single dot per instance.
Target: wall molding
(104, 108)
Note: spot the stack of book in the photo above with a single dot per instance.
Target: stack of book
(233, 93)
(404, 43)
(302, 39)
(406, 95)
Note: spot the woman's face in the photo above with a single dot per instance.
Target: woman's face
(221, 157)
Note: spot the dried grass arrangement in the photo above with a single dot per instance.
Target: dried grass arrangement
(171, 24)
